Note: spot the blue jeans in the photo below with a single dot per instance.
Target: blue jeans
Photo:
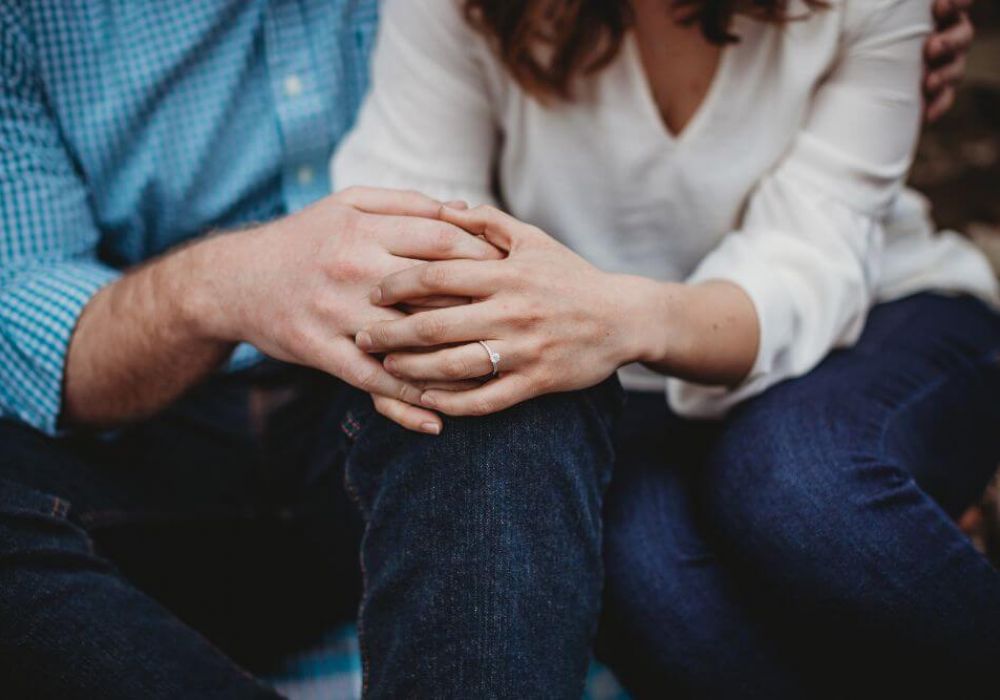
(806, 545)
(184, 555)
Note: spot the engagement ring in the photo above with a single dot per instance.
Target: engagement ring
(494, 358)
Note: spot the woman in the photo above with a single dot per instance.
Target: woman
(720, 190)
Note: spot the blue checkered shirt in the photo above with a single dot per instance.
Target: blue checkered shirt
(129, 126)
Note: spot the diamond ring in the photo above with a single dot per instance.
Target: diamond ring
(494, 358)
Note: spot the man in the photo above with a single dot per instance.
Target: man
(165, 524)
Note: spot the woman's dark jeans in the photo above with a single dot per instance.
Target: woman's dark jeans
(807, 546)
(163, 561)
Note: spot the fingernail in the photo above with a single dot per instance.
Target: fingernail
(428, 401)
(376, 295)
(431, 428)
(364, 340)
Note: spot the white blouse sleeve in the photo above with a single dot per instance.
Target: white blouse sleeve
(428, 123)
(808, 249)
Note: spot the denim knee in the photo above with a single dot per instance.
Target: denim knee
(570, 434)
(785, 474)
(482, 547)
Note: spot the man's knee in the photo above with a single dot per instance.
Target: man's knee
(533, 454)
(496, 523)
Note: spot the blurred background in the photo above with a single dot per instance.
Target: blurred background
(958, 167)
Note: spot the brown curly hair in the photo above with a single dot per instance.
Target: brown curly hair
(547, 44)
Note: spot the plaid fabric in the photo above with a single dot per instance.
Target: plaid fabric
(332, 671)
(128, 127)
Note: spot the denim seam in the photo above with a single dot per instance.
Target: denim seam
(350, 421)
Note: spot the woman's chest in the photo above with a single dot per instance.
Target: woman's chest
(606, 174)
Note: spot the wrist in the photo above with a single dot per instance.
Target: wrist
(208, 276)
(651, 317)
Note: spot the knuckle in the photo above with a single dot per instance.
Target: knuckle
(457, 369)
(296, 337)
(532, 352)
(429, 328)
(349, 269)
(544, 382)
(433, 277)
(445, 241)
(406, 394)
(379, 334)
(366, 378)
(481, 407)
(530, 316)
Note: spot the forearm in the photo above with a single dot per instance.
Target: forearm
(706, 333)
(141, 342)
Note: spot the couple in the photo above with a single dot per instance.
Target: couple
(716, 212)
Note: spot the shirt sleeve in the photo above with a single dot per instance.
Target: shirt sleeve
(48, 239)
(809, 247)
(428, 123)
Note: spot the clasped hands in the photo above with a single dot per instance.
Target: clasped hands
(558, 323)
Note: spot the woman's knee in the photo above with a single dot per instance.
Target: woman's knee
(788, 470)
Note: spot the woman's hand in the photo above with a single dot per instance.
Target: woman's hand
(946, 55)
(557, 322)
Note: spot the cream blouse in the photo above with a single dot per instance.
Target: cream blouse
(788, 181)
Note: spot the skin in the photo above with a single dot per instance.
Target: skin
(540, 308)
(545, 309)
(946, 55)
(297, 289)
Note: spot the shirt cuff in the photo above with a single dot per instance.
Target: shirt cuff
(39, 309)
(776, 319)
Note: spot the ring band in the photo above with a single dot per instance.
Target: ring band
(494, 358)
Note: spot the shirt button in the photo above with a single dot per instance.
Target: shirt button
(293, 86)
(305, 175)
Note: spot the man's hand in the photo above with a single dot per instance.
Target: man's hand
(297, 289)
(559, 323)
(946, 55)
(310, 289)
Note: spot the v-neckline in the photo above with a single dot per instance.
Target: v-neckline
(649, 105)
